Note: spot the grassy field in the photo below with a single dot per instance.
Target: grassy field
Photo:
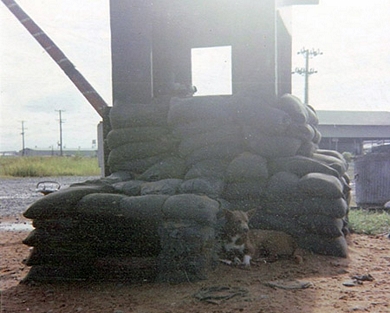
(48, 166)
(369, 222)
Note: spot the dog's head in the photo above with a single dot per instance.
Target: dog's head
(237, 222)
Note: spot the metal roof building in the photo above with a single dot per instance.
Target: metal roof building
(348, 130)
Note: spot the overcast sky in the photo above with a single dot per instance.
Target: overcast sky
(33, 86)
(353, 72)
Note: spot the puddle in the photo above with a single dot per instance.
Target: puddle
(16, 226)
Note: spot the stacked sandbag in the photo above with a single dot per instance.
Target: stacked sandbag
(265, 153)
(303, 125)
(78, 228)
(209, 139)
(188, 245)
(71, 236)
(175, 164)
(246, 177)
(281, 128)
(140, 141)
(308, 198)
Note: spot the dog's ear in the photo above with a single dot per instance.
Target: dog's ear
(227, 213)
(250, 213)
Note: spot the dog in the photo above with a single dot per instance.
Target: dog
(240, 241)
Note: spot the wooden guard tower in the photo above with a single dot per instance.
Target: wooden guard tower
(152, 42)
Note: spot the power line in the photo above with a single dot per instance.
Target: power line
(61, 122)
(305, 71)
(23, 142)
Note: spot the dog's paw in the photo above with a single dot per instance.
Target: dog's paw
(246, 261)
(227, 262)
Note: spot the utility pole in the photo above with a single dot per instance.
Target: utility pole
(22, 133)
(305, 71)
(61, 122)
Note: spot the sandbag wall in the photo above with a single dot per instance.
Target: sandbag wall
(175, 163)
(90, 230)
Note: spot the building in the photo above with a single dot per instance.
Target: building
(352, 130)
(67, 152)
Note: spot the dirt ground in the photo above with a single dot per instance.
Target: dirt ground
(326, 285)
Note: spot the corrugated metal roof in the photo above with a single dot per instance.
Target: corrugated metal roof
(356, 131)
(354, 118)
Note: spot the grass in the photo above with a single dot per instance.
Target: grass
(48, 166)
(369, 222)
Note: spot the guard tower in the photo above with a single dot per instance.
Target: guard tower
(152, 43)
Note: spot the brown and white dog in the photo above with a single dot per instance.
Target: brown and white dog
(240, 241)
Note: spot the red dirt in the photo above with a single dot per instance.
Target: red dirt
(326, 292)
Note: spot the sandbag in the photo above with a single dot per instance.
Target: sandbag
(103, 205)
(347, 179)
(242, 204)
(41, 237)
(56, 273)
(86, 252)
(137, 166)
(71, 256)
(263, 119)
(61, 203)
(302, 166)
(56, 225)
(224, 151)
(115, 235)
(294, 107)
(220, 135)
(162, 187)
(75, 238)
(323, 245)
(115, 177)
(119, 137)
(273, 146)
(142, 208)
(332, 153)
(129, 188)
(207, 168)
(139, 150)
(263, 220)
(317, 136)
(125, 115)
(247, 166)
(304, 132)
(187, 252)
(250, 189)
(312, 116)
(168, 168)
(321, 185)
(200, 209)
(307, 149)
(282, 186)
(200, 126)
(321, 225)
(211, 187)
(290, 208)
(340, 165)
(187, 110)
(253, 95)
(336, 208)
